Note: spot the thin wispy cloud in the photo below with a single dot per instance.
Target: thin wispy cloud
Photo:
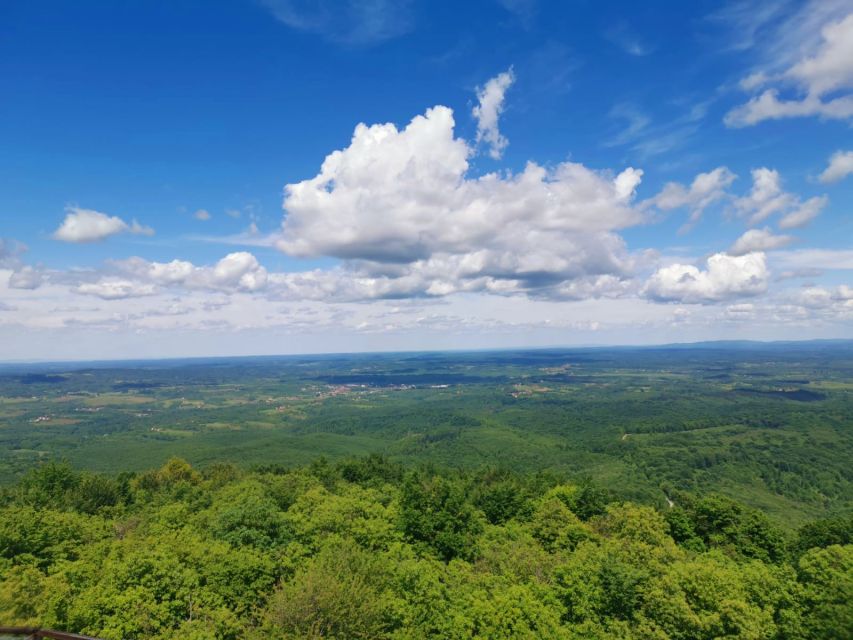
(347, 22)
(747, 21)
(636, 123)
(626, 39)
(525, 10)
(648, 138)
(248, 238)
(815, 258)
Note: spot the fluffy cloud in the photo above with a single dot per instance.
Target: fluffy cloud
(831, 67)
(355, 281)
(814, 297)
(115, 289)
(239, 271)
(768, 106)
(767, 197)
(86, 225)
(821, 79)
(840, 166)
(705, 190)
(489, 109)
(725, 277)
(837, 301)
(178, 319)
(397, 205)
(21, 276)
(758, 240)
(202, 214)
(26, 277)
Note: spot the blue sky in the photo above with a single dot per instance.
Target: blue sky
(147, 147)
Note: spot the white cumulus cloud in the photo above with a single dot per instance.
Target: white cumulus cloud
(239, 271)
(397, 205)
(21, 275)
(488, 111)
(706, 189)
(821, 79)
(115, 289)
(26, 277)
(724, 278)
(767, 198)
(759, 240)
(840, 166)
(86, 225)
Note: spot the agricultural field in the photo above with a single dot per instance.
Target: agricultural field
(769, 425)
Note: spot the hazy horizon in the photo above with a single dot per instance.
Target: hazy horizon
(461, 350)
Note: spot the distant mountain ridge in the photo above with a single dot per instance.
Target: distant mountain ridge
(17, 366)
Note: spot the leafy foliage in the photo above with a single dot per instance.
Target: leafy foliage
(361, 550)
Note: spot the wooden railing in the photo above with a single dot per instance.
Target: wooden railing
(36, 633)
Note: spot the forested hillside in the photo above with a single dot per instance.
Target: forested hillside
(364, 548)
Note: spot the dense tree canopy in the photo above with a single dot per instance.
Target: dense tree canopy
(364, 549)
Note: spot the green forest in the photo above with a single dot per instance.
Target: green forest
(767, 425)
(367, 548)
(656, 493)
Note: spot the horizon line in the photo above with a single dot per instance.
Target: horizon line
(586, 347)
